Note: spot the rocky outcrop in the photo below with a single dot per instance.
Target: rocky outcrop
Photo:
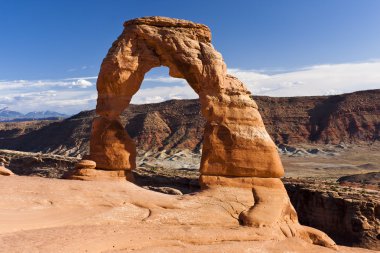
(369, 180)
(351, 216)
(4, 171)
(37, 164)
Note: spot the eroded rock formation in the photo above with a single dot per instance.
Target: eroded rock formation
(236, 143)
(237, 153)
(4, 171)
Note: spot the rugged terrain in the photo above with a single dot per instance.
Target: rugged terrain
(320, 139)
(51, 215)
(11, 130)
(349, 118)
(349, 214)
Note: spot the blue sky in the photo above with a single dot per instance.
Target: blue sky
(50, 51)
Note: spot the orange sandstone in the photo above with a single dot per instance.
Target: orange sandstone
(238, 153)
(235, 140)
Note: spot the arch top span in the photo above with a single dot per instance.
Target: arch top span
(236, 143)
(159, 21)
(182, 46)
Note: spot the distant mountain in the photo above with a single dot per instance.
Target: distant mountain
(8, 115)
(44, 114)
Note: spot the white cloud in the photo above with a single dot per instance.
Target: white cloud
(85, 78)
(161, 79)
(81, 83)
(72, 95)
(27, 84)
(64, 95)
(162, 93)
(316, 80)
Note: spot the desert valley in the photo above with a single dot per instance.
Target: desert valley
(169, 151)
(228, 172)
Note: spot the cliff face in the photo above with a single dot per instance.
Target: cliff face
(353, 117)
(350, 118)
(350, 216)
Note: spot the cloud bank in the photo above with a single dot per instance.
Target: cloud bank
(328, 79)
(72, 95)
(317, 80)
(66, 96)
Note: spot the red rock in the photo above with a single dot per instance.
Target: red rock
(5, 172)
(236, 143)
(235, 140)
(85, 164)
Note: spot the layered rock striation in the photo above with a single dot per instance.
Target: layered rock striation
(351, 216)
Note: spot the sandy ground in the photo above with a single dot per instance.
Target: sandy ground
(333, 162)
(326, 162)
(52, 215)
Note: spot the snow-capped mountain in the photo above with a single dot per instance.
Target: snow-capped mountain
(8, 115)
(44, 114)
(5, 113)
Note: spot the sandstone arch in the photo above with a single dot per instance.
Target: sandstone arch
(237, 150)
(236, 143)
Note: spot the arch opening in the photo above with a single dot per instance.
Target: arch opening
(166, 125)
(158, 86)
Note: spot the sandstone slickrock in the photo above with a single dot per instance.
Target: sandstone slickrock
(85, 164)
(309, 197)
(166, 190)
(50, 215)
(111, 147)
(4, 171)
(236, 144)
